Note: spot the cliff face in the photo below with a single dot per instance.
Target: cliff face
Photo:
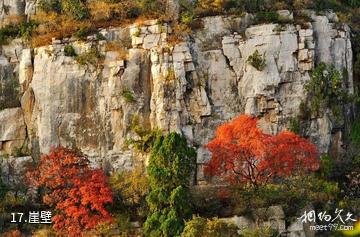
(188, 87)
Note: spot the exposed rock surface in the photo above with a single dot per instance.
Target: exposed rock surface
(11, 10)
(273, 217)
(188, 87)
(12, 130)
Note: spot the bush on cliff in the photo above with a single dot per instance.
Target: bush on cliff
(326, 89)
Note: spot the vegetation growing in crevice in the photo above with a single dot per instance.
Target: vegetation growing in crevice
(83, 32)
(128, 95)
(326, 89)
(69, 51)
(119, 48)
(257, 60)
(295, 125)
(266, 17)
(170, 75)
(23, 29)
(91, 57)
(8, 32)
(146, 137)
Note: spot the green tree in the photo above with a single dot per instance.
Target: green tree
(170, 166)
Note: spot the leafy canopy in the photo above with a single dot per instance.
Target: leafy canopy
(242, 153)
(78, 193)
(170, 166)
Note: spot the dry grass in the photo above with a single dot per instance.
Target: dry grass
(103, 15)
(53, 25)
(117, 47)
(180, 31)
(14, 19)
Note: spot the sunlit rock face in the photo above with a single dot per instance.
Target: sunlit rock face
(189, 87)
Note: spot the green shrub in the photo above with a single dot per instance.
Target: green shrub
(128, 95)
(82, 33)
(322, 5)
(100, 36)
(150, 6)
(187, 18)
(49, 5)
(146, 137)
(200, 227)
(326, 166)
(69, 51)
(26, 29)
(325, 90)
(23, 29)
(8, 32)
(76, 9)
(257, 60)
(170, 166)
(294, 125)
(355, 133)
(353, 3)
(92, 57)
(267, 17)
(254, 6)
(22, 151)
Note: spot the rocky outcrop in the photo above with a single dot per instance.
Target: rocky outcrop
(188, 87)
(272, 217)
(12, 130)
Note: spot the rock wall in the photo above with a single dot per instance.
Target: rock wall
(188, 87)
(11, 11)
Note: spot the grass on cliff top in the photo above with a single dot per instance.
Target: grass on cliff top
(62, 19)
(70, 18)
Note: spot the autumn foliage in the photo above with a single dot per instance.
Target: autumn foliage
(77, 192)
(243, 154)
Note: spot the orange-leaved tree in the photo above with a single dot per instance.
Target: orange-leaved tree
(78, 193)
(243, 154)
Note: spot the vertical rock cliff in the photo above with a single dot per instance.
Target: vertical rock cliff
(188, 87)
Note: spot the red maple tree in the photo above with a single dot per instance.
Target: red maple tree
(242, 153)
(77, 192)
